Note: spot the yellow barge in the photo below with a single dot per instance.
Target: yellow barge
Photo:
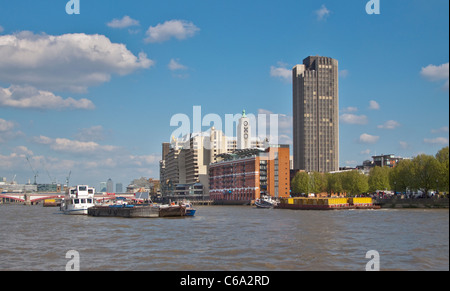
(327, 203)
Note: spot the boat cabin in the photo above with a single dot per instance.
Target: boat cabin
(81, 192)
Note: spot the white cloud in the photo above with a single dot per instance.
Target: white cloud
(349, 109)
(322, 13)
(65, 62)
(374, 105)
(369, 139)
(42, 140)
(440, 130)
(391, 124)
(7, 131)
(6, 125)
(174, 65)
(126, 21)
(94, 133)
(23, 150)
(354, 119)
(437, 141)
(281, 71)
(26, 97)
(437, 73)
(74, 146)
(179, 29)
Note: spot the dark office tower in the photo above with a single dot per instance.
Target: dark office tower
(165, 149)
(316, 115)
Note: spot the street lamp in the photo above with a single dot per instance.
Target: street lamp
(437, 186)
(395, 188)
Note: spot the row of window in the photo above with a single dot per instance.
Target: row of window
(82, 201)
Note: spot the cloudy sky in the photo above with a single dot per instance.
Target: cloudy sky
(94, 93)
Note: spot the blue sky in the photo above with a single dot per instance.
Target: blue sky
(94, 93)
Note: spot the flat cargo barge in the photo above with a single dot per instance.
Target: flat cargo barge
(327, 203)
(137, 211)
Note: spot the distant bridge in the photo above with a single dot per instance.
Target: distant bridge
(28, 198)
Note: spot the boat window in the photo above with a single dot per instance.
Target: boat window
(89, 201)
(91, 191)
(83, 201)
(76, 201)
(82, 188)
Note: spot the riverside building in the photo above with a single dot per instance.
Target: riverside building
(185, 161)
(240, 177)
(316, 115)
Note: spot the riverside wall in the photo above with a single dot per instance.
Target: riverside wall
(413, 203)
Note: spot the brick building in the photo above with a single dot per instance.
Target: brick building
(245, 175)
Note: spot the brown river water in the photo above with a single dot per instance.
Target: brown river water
(221, 238)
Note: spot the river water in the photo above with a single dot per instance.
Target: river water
(222, 238)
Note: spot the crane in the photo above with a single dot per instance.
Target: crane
(52, 179)
(34, 172)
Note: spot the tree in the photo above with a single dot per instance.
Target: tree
(354, 183)
(379, 179)
(401, 177)
(318, 182)
(443, 158)
(334, 183)
(300, 183)
(426, 171)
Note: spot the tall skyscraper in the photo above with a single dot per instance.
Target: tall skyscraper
(316, 115)
(110, 186)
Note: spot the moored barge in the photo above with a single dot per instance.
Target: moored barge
(327, 203)
(134, 211)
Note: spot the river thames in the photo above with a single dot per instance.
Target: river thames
(221, 238)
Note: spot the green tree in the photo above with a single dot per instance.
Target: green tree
(379, 179)
(300, 183)
(361, 184)
(334, 183)
(354, 183)
(401, 177)
(426, 171)
(443, 158)
(318, 182)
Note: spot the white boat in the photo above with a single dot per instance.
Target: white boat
(266, 202)
(78, 200)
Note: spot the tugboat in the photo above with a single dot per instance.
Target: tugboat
(78, 200)
(266, 202)
(190, 211)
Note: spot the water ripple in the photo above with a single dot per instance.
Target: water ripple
(226, 239)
